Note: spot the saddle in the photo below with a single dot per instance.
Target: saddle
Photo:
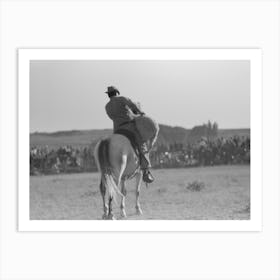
(130, 136)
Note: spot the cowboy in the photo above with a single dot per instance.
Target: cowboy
(122, 111)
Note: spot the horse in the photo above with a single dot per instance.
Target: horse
(118, 161)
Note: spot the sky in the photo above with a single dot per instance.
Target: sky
(69, 95)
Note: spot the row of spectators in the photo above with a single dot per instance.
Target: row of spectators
(234, 150)
(66, 159)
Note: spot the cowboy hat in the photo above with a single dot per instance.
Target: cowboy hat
(112, 89)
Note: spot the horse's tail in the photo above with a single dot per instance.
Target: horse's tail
(102, 157)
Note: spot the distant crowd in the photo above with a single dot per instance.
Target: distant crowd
(234, 150)
(205, 152)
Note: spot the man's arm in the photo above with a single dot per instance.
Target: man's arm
(134, 107)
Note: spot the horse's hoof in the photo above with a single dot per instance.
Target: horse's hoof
(111, 217)
(139, 211)
(104, 217)
(123, 214)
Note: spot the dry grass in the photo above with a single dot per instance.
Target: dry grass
(207, 193)
(195, 186)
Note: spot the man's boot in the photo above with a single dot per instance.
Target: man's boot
(145, 164)
(147, 176)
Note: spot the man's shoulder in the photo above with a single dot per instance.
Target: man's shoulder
(122, 98)
(117, 100)
(108, 105)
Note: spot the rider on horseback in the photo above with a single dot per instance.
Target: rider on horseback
(122, 111)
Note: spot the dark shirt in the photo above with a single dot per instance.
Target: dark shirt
(117, 110)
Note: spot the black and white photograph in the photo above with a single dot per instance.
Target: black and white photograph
(138, 139)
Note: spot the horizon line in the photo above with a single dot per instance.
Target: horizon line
(88, 129)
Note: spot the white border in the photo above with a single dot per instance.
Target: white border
(254, 55)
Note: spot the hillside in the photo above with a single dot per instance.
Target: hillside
(82, 138)
(226, 133)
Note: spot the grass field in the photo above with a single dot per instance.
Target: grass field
(226, 195)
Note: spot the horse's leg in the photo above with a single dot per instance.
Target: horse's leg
(117, 182)
(123, 190)
(138, 178)
(121, 182)
(103, 193)
(110, 212)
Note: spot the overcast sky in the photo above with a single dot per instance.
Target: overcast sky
(67, 95)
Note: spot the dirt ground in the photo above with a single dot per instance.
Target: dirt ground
(225, 195)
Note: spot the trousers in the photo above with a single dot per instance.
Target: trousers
(141, 144)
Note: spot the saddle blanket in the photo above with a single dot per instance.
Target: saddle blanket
(147, 127)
